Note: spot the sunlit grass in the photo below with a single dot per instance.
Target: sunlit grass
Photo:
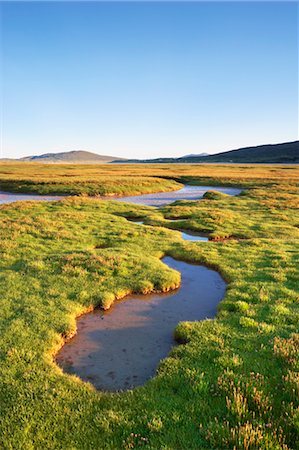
(118, 179)
(233, 384)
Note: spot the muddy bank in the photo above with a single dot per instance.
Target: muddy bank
(121, 348)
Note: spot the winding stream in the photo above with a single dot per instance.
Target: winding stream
(10, 197)
(186, 235)
(163, 198)
(159, 199)
(121, 348)
(188, 192)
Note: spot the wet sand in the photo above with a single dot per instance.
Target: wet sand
(121, 348)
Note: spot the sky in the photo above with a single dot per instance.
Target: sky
(147, 79)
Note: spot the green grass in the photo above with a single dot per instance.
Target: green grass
(101, 186)
(234, 383)
(131, 179)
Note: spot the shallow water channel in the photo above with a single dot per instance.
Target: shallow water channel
(10, 197)
(121, 348)
(159, 199)
(186, 193)
(186, 235)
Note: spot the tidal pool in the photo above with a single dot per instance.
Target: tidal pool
(121, 348)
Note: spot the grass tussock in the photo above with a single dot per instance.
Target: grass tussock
(234, 382)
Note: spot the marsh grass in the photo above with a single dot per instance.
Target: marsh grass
(133, 179)
(233, 384)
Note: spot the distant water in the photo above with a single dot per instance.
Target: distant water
(186, 193)
(10, 197)
(158, 199)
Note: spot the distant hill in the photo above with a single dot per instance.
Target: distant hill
(287, 152)
(72, 157)
(194, 154)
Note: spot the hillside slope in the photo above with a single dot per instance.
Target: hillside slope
(76, 156)
(277, 153)
(287, 152)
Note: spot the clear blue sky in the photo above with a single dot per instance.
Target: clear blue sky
(148, 79)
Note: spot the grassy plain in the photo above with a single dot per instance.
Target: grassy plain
(233, 384)
(131, 179)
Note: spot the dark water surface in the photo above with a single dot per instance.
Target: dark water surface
(121, 348)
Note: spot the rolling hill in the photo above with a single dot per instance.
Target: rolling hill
(287, 152)
(72, 157)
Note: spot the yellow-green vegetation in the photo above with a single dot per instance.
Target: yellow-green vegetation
(234, 381)
(131, 179)
(101, 185)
